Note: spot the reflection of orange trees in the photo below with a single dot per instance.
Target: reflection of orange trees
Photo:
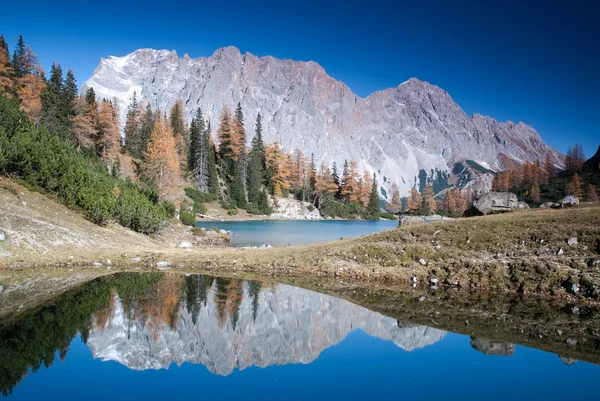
(160, 304)
(102, 315)
(228, 298)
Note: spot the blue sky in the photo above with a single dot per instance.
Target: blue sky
(529, 61)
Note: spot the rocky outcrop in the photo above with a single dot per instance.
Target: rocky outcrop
(592, 165)
(491, 347)
(291, 325)
(396, 132)
(293, 209)
(569, 201)
(495, 202)
(434, 218)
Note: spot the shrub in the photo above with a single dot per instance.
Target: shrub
(232, 211)
(199, 196)
(45, 162)
(389, 216)
(344, 210)
(187, 217)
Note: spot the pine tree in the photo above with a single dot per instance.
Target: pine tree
(90, 96)
(312, 179)
(133, 129)
(56, 113)
(254, 288)
(147, 125)
(350, 188)
(199, 152)
(213, 177)
(70, 94)
(256, 173)
(260, 145)
(18, 58)
(335, 174)
(373, 208)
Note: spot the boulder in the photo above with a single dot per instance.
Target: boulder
(572, 241)
(550, 205)
(1, 289)
(569, 201)
(494, 202)
(522, 205)
(491, 347)
(265, 246)
(568, 361)
(185, 245)
(163, 265)
(2, 236)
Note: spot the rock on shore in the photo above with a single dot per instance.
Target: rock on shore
(293, 209)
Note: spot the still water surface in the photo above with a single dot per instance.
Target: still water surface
(297, 232)
(159, 337)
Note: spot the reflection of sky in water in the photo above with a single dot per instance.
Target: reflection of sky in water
(282, 233)
(361, 367)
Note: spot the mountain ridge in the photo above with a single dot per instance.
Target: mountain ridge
(396, 132)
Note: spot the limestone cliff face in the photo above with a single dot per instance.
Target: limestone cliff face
(395, 132)
(292, 326)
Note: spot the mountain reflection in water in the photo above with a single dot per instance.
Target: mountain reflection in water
(226, 324)
(310, 344)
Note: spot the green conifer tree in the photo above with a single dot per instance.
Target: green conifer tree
(55, 111)
(18, 59)
(90, 96)
(373, 208)
(133, 129)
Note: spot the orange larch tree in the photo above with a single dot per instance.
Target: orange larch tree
(395, 204)
(414, 201)
(429, 203)
(161, 162)
(109, 138)
(84, 123)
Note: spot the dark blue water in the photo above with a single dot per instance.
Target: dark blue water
(283, 233)
(190, 338)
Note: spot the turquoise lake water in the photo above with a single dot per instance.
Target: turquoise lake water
(282, 233)
(170, 337)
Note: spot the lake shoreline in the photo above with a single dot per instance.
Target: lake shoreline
(524, 252)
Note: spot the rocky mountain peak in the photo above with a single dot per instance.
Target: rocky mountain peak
(399, 133)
